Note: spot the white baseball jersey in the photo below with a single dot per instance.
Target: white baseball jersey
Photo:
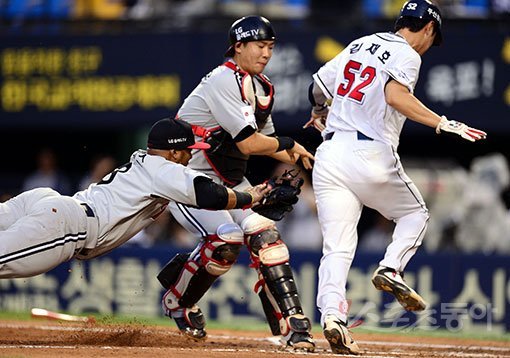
(356, 79)
(357, 165)
(40, 228)
(132, 196)
(217, 102)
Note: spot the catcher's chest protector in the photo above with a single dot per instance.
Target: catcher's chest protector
(224, 157)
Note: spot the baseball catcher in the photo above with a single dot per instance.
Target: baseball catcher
(231, 111)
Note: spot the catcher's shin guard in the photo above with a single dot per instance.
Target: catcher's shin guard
(170, 273)
(279, 294)
(272, 320)
(282, 295)
(188, 277)
(286, 317)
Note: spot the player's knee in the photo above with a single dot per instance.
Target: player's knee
(421, 217)
(274, 254)
(221, 251)
(256, 223)
(266, 244)
(426, 216)
(269, 248)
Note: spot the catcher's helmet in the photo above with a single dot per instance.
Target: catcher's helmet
(426, 10)
(249, 28)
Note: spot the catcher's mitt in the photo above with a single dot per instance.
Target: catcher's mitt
(282, 197)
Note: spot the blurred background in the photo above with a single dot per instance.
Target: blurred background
(82, 81)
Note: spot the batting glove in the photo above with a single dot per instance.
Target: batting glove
(459, 128)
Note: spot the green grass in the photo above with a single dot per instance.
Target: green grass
(256, 325)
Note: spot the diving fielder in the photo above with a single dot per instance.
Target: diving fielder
(39, 228)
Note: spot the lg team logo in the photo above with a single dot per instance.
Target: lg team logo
(240, 34)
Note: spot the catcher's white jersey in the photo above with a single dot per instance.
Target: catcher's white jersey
(357, 164)
(356, 79)
(40, 228)
(217, 102)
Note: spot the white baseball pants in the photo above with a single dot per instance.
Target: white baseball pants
(348, 174)
(39, 229)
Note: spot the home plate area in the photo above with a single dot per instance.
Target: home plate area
(69, 339)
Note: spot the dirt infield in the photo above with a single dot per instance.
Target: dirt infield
(56, 339)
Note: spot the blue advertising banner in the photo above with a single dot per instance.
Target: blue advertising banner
(463, 292)
(126, 81)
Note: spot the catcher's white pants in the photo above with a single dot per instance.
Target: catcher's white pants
(349, 173)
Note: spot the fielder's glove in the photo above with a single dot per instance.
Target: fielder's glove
(459, 128)
(282, 197)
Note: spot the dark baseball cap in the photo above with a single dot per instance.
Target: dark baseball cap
(172, 133)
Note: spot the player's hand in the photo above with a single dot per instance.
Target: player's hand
(282, 198)
(461, 129)
(317, 121)
(299, 152)
(258, 192)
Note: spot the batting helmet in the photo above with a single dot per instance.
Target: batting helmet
(426, 10)
(249, 28)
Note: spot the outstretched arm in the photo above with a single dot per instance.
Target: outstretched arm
(399, 97)
(210, 195)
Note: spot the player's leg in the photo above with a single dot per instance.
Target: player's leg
(339, 233)
(338, 211)
(187, 277)
(276, 286)
(398, 199)
(10, 212)
(39, 236)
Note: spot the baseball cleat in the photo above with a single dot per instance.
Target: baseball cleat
(191, 323)
(339, 337)
(391, 281)
(300, 341)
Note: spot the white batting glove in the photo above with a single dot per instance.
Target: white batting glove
(459, 128)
